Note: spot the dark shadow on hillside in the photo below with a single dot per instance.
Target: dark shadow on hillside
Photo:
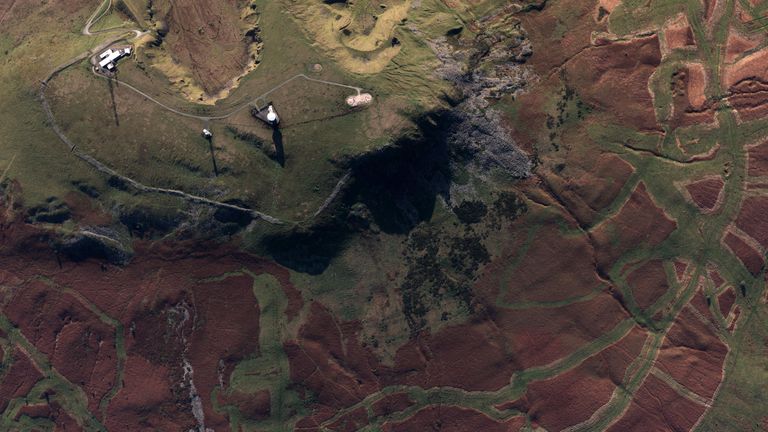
(213, 157)
(394, 188)
(277, 139)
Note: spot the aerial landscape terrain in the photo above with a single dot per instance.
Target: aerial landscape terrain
(398, 216)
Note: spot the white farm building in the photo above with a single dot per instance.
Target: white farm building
(109, 58)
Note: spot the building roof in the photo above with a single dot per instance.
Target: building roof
(112, 56)
(109, 59)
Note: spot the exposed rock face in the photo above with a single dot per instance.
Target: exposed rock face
(490, 67)
(481, 136)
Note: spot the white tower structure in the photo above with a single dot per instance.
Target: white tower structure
(272, 117)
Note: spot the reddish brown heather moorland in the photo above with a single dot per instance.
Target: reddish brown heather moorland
(453, 419)
(554, 47)
(81, 347)
(484, 348)
(693, 355)
(19, 379)
(146, 390)
(619, 68)
(572, 397)
(588, 185)
(752, 260)
(757, 159)
(160, 296)
(751, 218)
(700, 302)
(558, 266)
(180, 303)
(658, 407)
(640, 222)
(717, 280)
(536, 336)
(648, 283)
(725, 301)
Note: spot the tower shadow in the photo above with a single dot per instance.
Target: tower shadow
(213, 157)
(111, 87)
(277, 139)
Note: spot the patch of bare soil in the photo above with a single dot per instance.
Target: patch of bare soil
(680, 268)
(710, 6)
(208, 39)
(34, 411)
(689, 102)
(749, 98)
(737, 44)
(84, 211)
(747, 82)
(609, 5)
(736, 313)
(678, 34)
(697, 83)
